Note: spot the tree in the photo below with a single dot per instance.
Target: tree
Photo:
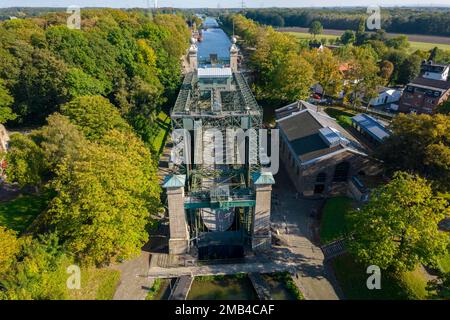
(81, 84)
(40, 87)
(363, 75)
(9, 248)
(397, 57)
(104, 199)
(26, 161)
(326, 70)
(348, 37)
(398, 227)
(419, 143)
(315, 28)
(59, 140)
(444, 108)
(294, 78)
(439, 288)
(38, 272)
(361, 34)
(94, 116)
(386, 70)
(400, 42)
(5, 102)
(409, 69)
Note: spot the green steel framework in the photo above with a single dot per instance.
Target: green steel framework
(238, 106)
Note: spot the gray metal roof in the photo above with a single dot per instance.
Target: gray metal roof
(303, 131)
(214, 73)
(371, 125)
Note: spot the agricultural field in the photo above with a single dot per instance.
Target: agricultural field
(416, 42)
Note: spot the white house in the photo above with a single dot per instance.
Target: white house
(386, 95)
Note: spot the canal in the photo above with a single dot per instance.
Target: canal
(215, 46)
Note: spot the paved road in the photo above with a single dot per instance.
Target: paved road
(131, 285)
(291, 218)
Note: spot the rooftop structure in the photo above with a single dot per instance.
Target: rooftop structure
(319, 155)
(196, 98)
(313, 135)
(371, 126)
(434, 71)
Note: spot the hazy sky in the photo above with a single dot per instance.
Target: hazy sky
(215, 3)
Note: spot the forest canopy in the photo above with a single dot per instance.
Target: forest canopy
(128, 57)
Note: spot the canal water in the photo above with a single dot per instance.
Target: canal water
(222, 288)
(216, 44)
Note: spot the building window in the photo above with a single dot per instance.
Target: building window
(341, 172)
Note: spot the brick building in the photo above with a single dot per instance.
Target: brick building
(319, 155)
(426, 92)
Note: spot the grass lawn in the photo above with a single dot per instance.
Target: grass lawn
(334, 225)
(414, 45)
(307, 36)
(96, 284)
(161, 131)
(426, 46)
(341, 115)
(19, 213)
(352, 278)
(444, 263)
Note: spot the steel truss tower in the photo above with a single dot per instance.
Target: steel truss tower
(219, 203)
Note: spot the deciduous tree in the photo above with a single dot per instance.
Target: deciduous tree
(398, 227)
(315, 28)
(419, 143)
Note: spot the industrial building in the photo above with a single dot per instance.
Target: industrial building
(319, 155)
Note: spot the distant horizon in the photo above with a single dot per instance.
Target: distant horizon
(208, 4)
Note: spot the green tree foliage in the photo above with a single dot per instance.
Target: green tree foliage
(362, 75)
(439, 56)
(444, 108)
(40, 88)
(125, 56)
(397, 20)
(409, 69)
(9, 248)
(94, 116)
(26, 161)
(5, 102)
(421, 144)
(38, 271)
(399, 42)
(386, 70)
(440, 288)
(397, 58)
(315, 28)
(282, 73)
(326, 70)
(348, 37)
(60, 140)
(294, 78)
(398, 227)
(105, 198)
